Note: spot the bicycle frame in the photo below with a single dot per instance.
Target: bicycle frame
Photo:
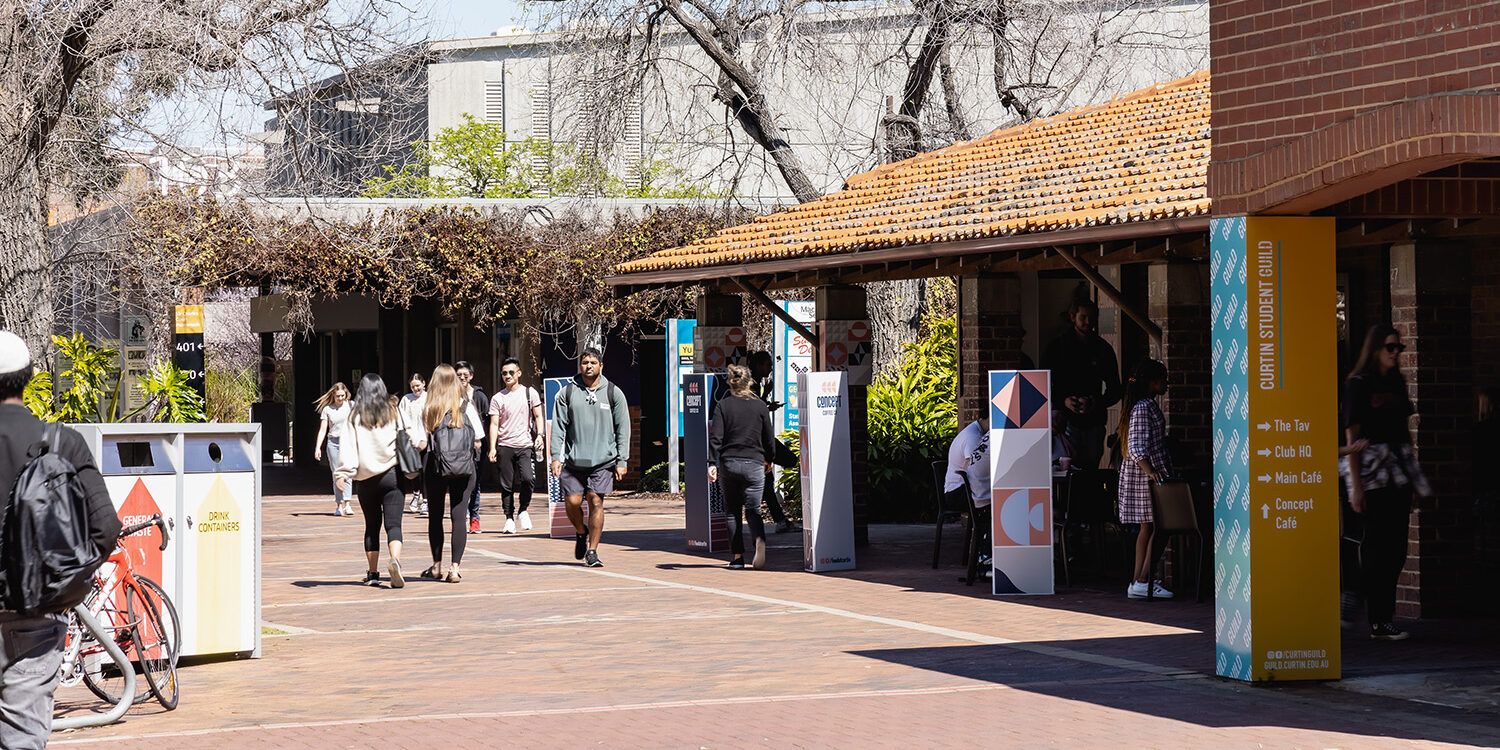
(110, 582)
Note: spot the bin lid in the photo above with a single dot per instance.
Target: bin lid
(136, 455)
(216, 454)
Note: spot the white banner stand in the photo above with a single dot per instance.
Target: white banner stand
(827, 491)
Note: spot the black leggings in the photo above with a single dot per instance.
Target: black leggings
(380, 499)
(457, 492)
(1382, 550)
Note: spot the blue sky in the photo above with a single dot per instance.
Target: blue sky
(474, 17)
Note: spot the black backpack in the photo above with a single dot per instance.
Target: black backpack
(49, 559)
(452, 448)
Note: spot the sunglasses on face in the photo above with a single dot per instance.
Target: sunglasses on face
(1395, 348)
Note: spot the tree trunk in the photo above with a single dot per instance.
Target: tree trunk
(896, 310)
(26, 289)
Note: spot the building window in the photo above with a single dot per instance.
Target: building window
(494, 102)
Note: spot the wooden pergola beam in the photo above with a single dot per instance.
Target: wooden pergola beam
(1088, 272)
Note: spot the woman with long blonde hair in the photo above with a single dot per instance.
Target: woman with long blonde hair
(453, 436)
(741, 445)
(333, 416)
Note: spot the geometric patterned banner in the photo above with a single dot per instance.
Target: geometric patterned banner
(1021, 481)
(1276, 504)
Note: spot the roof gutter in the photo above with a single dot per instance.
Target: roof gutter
(926, 251)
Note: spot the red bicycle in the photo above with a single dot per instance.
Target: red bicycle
(139, 617)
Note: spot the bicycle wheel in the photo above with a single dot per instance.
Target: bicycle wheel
(101, 674)
(155, 644)
(169, 613)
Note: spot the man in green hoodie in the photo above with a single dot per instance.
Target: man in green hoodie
(590, 449)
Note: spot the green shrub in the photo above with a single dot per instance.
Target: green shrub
(655, 478)
(230, 394)
(789, 481)
(913, 414)
(93, 392)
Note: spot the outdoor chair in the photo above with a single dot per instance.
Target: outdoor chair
(950, 507)
(971, 547)
(1176, 517)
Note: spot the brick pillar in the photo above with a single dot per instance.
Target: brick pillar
(1432, 308)
(1179, 294)
(846, 302)
(990, 337)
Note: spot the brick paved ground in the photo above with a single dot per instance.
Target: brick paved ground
(668, 649)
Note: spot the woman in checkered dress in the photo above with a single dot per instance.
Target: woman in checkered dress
(1143, 432)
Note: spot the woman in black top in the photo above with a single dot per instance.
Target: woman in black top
(740, 448)
(1382, 471)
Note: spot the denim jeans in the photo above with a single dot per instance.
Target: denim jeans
(29, 661)
(332, 452)
(744, 481)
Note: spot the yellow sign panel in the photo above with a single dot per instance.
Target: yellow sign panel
(1292, 387)
(189, 319)
(685, 351)
(220, 571)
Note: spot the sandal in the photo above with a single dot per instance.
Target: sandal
(453, 576)
(432, 573)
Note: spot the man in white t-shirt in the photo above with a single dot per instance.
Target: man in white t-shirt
(516, 429)
(970, 453)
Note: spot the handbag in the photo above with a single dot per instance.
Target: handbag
(408, 459)
(785, 458)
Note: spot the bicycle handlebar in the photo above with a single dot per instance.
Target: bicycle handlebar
(155, 520)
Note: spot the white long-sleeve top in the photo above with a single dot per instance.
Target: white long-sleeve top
(369, 452)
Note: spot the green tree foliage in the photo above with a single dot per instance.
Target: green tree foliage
(913, 415)
(93, 391)
(476, 160)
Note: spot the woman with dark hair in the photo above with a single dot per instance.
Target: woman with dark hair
(369, 460)
(1382, 472)
(740, 447)
(1143, 436)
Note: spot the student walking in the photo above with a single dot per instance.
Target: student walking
(369, 461)
(590, 449)
(333, 415)
(32, 649)
(740, 447)
(516, 429)
(411, 414)
(1382, 471)
(1143, 433)
(452, 440)
(481, 402)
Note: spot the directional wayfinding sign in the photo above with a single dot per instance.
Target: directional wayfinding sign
(1276, 512)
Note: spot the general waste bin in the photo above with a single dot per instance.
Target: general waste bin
(205, 480)
(140, 470)
(220, 605)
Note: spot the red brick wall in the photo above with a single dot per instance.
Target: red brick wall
(990, 337)
(1316, 102)
(1430, 306)
(1179, 304)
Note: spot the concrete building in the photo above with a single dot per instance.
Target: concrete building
(830, 78)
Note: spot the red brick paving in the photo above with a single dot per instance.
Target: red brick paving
(666, 649)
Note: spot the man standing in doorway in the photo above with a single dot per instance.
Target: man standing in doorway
(33, 643)
(1086, 375)
(516, 429)
(761, 367)
(481, 402)
(590, 449)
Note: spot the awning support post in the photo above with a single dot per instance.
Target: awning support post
(1152, 329)
(786, 317)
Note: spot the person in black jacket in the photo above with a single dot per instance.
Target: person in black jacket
(1086, 380)
(31, 645)
(740, 447)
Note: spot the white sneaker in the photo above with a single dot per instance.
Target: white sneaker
(1138, 590)
(338, 510)
(525, 521)
(510, 526)
(422, 511)
(411, 507)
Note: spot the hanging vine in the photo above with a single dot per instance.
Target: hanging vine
(492, 264)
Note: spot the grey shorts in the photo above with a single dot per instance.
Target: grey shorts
(600, 481)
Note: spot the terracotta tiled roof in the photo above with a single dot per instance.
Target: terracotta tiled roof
(1138, 158)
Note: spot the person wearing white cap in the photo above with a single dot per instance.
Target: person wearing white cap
(31, 644)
